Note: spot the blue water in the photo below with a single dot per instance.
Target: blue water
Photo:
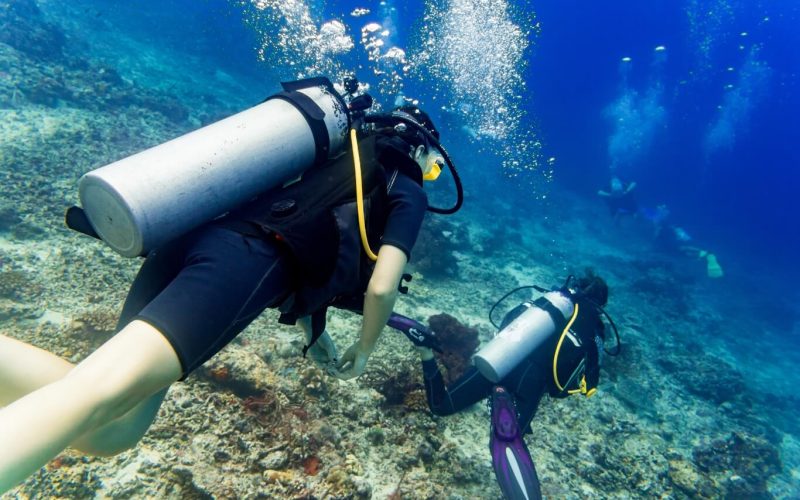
(727, 64)
(737, 189)
(540, 104)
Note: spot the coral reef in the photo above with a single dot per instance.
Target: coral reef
(63, 77)
(458, 342)
(742, 463)
(436, 248)
(23, 27)
(399, 385)
(705, 376)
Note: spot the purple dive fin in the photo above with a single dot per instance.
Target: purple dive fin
(511, 459)
(416, 332)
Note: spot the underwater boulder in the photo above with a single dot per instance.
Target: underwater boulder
(706, 376)
(743, 463)
(434, 252)
(22, 26)
(458, 342)
(9, 216)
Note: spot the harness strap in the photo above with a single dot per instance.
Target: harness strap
(76, 219)
(553, 311)
(314, 116)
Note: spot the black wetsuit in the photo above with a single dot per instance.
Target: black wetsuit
(204, 288)
(531, 378)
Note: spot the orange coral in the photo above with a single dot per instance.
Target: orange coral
(220, 373)
(311, 465)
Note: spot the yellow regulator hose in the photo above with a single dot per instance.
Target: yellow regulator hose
(362, 225)
(558, 347)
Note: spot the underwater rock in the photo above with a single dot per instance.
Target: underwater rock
(9, 217)
(395, 384)
(188, 487)
(275, 460)
(706, 376)
(434, 252)
(752, 459)
(458, 342)
(28, 231)
(426, 452)
(17, 285)
(345, 480)
(239, 370)
(688, 480)
(23, 27)
(167, 106)
(66, 476)
(14, 310)
(46, 91)
(99, 322)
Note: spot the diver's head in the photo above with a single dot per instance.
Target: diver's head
(592, 287)
(425, 154)
(420, 117)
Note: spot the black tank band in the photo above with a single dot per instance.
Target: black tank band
(555, 313)
(315, 117)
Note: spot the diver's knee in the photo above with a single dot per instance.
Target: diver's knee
(105, 398)
(135, 364)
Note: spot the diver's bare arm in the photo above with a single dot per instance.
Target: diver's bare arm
(381, 294)
(378, 304)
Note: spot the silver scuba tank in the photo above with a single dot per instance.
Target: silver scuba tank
(145, 200)
(520, 338)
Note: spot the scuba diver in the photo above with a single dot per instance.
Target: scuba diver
(620, 198)
(551, 345)
(673, 239)
(345, 228)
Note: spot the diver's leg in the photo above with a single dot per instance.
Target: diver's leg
(121, 433)
(128, 369)
(25, 368)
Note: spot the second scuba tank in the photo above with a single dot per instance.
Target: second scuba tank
(522, 337)
(145, 200)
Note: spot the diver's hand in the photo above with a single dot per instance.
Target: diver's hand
(353, 362)
(323, 352)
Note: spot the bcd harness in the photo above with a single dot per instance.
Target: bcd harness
(570, 347)
(316, 219)
(334, 210)
(576, 382)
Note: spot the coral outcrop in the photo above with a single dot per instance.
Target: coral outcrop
(458, 342)
(742, 463)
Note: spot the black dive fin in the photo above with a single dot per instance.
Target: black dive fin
(76, 220)
(511, 459)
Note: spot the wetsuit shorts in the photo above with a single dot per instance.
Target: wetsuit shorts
(203, 289)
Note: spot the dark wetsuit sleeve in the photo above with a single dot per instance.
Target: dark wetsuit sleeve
(407, 205)
(466, 391)
(593, 356)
